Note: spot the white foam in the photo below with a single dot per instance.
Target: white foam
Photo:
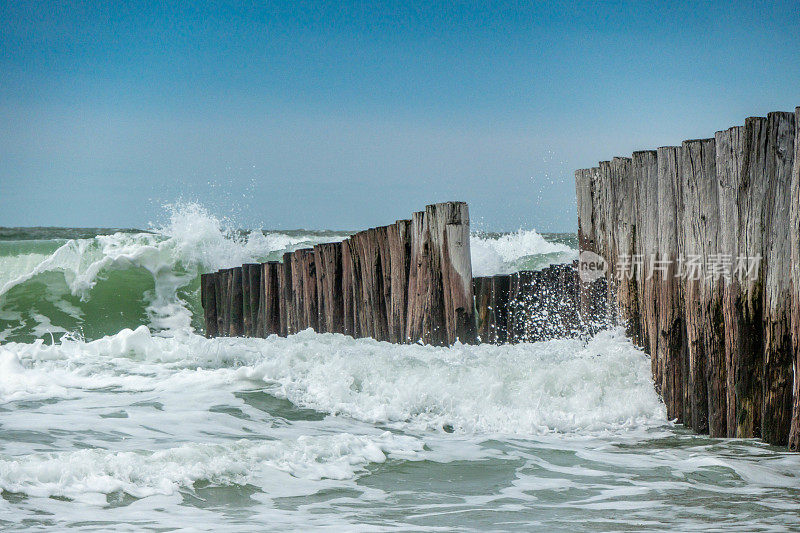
(507, 253)
(85, 474)
(527, 389)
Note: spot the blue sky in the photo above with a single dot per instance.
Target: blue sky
(287, 115)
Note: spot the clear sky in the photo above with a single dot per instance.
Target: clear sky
(343, 116)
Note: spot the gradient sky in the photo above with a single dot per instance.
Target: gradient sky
(287, 115)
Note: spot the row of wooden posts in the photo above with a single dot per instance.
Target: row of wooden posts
(701, 244)
(407, 282)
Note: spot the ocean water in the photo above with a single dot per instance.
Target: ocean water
(115, 414)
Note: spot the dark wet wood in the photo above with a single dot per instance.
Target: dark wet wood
(208, 298)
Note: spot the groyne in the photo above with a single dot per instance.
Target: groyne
(410, 281)
(700, 248)
(407, 282)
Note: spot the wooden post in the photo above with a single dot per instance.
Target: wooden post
(208, 299)
(604, 235)
(624, 238)
(219, 298)
(452, 219)
(729, 163)
(417, 280)
(399, 241)
(385, 273)
(794, 239)
(328, 258)
(671, 343)
(441, 303)
(748, 313)
(520, 289)
(236, 303)
(703, 300)
(270, 309)
(255, 296)
(249, 296)
(227, 275)
(310, 300)
(350, 288)
(286, 302)
(644, 167)
(372, 312)
(778, 378)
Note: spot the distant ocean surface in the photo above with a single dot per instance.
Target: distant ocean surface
(116, 414)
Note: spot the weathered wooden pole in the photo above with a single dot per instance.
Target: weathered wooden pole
(794, 239)
(350, 288)
(270, 319)
(778, 379)
(623, 190)
(225, 279)
(418, 281)
(372, 312)
(700, 200)
(670, 345)
(644, 169)
(385, 272)
(452, 224)
(729, 164)
(491, 305)
(236, 303)
(286, 302)
(310, 300)
(255, 295)
(208, 298)
(747, 314)
(399, 243)
(328, 260)
(604, 234)
(219, 300)
(249, 296)
(593, 289)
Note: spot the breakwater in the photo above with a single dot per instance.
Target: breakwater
(700, 245)
(407, 282)
(410, 281)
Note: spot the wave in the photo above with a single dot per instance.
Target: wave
(512, 252)
(100, 285)
(89, 475)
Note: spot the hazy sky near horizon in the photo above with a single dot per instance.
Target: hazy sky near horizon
(299, 114)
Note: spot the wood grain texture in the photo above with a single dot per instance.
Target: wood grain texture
(778, 378)
(794, 240)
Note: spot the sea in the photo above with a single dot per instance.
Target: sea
(117, 414)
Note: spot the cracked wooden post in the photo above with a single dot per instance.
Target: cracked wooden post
(699, 194)
(747, 311)
(236, 325)
(399, 243)
(794, 239)
(729, 164)
(778, 379)
(270, 320)
(287, 296)
(644, 169)
(623, 190)
(351, 288)
(328, 259)
(670, 345)
(208, 298)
